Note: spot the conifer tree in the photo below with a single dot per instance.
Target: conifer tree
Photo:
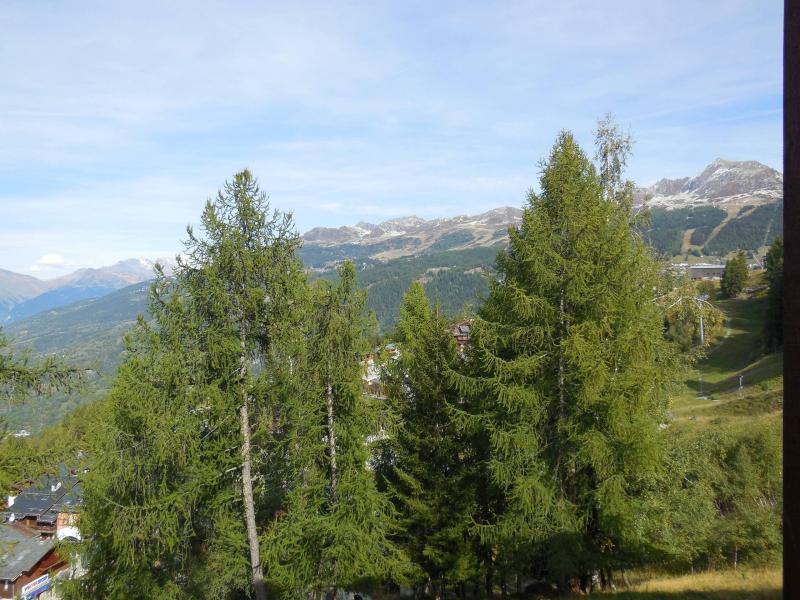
(773, 327)
(155, 462)
(429, 462)
(171, 509)
(734, 277)
(247, 280)
(20, 377)
(572, 366)
(335, 529)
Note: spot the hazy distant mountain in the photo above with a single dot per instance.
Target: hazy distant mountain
(723, 182)
(118, 275)
(22, 296)
(16, 288)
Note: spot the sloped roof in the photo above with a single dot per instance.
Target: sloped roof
(20, 550)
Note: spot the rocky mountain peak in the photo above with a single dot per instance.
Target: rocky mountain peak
(720, 182)
(482, 227)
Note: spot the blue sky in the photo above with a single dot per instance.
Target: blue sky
(119, 119)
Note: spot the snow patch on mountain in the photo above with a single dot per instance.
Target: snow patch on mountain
(720, 183)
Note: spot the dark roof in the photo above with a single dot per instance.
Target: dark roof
(58, 493)
(20, 550)
(70, 501)
(32, 504)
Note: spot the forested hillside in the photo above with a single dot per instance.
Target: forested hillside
(753, 228)
(665, 229)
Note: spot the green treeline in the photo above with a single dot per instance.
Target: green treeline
(755, 229)
(240, 455)
(453, 277)
(665, 228)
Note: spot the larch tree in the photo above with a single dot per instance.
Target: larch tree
(247, 280)
(429, 462)
(20, 376)
(172, 509)
(572, 365)
(335, 530)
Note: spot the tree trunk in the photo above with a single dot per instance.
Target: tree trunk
(489, 573)
(247, 484)
(250, 513)
(584, 583)
(331, 438)
(627, 581)
(610, 579)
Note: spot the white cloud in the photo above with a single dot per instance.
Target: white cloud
(50, 263)
(51, 260)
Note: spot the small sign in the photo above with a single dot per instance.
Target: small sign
(29, 590)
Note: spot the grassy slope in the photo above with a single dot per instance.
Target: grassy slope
(712, 387)
(758, 584)
(759, 400)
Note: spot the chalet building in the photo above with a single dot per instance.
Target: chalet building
(461, 333)
(28, 563)
(371, 379)
(706, 271)
(50, 505)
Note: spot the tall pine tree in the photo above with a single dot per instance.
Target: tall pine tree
(429, 462)
(571, 367)
(734, 277)
(773, 326)
(171, 506)
(336, 527)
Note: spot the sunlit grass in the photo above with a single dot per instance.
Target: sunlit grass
(761, 583)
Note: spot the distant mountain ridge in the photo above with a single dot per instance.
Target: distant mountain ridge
(740, 202)
(22, 296)
(407, 236)
(414, 226)
(722, 182)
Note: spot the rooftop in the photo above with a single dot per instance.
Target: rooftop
(20, 549)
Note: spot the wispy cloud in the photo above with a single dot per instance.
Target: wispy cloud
(119, 119)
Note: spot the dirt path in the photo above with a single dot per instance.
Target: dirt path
(731, 214)
(687, 241)
(724, 337)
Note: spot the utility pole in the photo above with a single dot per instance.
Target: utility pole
(702, 339)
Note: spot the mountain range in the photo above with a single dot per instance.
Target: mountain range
(729, 205)
(83, 316)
